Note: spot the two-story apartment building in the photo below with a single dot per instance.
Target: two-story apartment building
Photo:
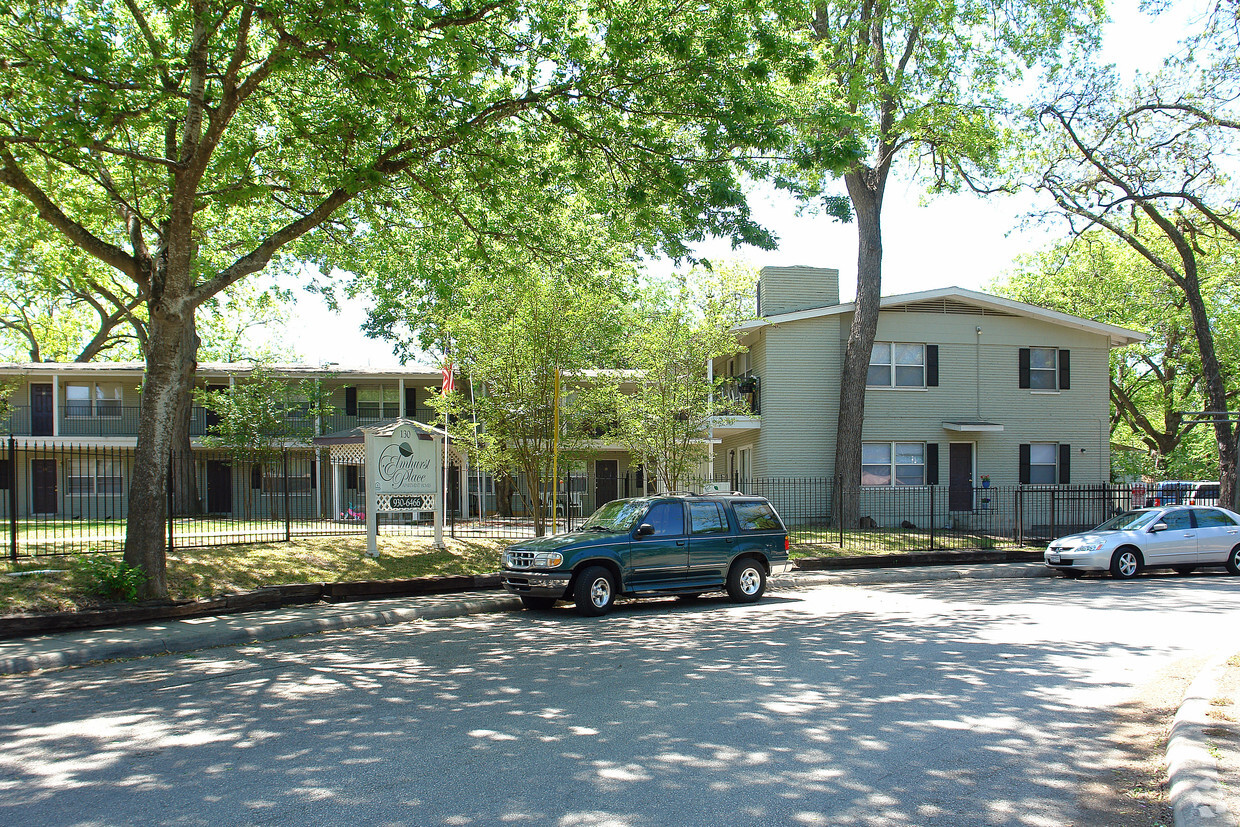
(962, 387)
(74, 427)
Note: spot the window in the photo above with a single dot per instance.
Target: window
(755, 516)
(377, 403)
(893, 463)
(107, 400)
(299, 479)
(1178, 520)
(77, 400)
(707, 518)
(94, 476)
(903, 365)
(1210, 518)
(1045, 368)
(1043, 468)
(668, 519)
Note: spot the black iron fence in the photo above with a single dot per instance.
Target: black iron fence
(58, 499)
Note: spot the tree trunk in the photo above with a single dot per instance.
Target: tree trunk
(185, 497)
(1215, 391)
(865, 189)
(169, 359)
(503, 494)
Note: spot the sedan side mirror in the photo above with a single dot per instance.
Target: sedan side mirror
(645, 529)
(1157, 527)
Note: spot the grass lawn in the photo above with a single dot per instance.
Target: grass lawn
(208, 572)
(195, 573)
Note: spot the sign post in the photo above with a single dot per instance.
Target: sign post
(403, 475)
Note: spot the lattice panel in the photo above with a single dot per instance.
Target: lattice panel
(348, 454)
(406, 502)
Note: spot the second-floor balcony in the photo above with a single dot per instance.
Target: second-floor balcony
(121, 421)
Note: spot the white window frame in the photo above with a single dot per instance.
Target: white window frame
(1052, 372)
(95, 476)
(101, 400)
(1054, 465)
(893, 464)
(893, 367)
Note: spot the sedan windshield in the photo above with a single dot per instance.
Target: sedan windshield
(1128, 521)
(616, 516)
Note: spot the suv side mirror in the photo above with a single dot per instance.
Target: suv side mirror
(644, 529)
(1157, 527)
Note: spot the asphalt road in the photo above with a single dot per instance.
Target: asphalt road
(937, 703)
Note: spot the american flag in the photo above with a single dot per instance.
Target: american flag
(449, 384)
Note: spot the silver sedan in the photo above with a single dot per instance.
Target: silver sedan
(1180, 538)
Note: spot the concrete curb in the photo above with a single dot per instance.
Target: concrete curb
(188, 639)
(1192, 772)
(187, 635)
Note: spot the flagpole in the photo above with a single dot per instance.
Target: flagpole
(446, 387)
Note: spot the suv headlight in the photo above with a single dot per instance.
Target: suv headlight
(548, 559)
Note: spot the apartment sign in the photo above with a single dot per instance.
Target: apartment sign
(404, 463)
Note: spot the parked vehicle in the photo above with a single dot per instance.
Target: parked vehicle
(1181, 492)
(1181, 538)
(672, 544)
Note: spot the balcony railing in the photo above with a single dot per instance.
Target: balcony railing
(744, 390)
(122, 421)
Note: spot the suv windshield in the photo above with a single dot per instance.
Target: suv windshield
(1128, 521)
(616, 516)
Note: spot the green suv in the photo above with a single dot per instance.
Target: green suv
(670, 544)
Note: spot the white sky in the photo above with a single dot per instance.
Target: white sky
(957, 240)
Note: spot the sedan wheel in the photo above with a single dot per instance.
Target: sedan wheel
(1125, 564)
(595, 591)
(1233, 561)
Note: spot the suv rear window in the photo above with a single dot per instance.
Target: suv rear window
(755, 515)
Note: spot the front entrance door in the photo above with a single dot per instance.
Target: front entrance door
(41, 410)
(219, 486)
(605, 486)
(43, 499)
(960, 476)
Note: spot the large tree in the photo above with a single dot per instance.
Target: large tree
(189, 145)
(926, 82)
(1155, 382)
(1153, 166)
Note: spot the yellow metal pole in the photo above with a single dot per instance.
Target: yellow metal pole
(555, 452)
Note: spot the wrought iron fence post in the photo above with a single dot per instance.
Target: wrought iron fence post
(932, 520)
(288, 521)
(1020, 516)
(1054, 516)
(171, 539)
(839, 512)
(12, 481)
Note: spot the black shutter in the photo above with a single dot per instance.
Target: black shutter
(1024, 464)
(411, 402)
(256, 476)
(350, 401)
(932, 366)
(1024, 367)
(314, 473)
(350, 477)
(1065, 464)
(1065, 370)
(932, 463)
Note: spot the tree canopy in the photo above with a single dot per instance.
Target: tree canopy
(189, 145)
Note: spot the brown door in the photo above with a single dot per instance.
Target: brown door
(41, 410)
(605, 486)
(219, 486)
(43, 499)
(960, 476)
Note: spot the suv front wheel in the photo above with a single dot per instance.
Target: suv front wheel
(595, 591)
(746, 580)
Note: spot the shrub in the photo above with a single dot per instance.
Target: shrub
(108, 577)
